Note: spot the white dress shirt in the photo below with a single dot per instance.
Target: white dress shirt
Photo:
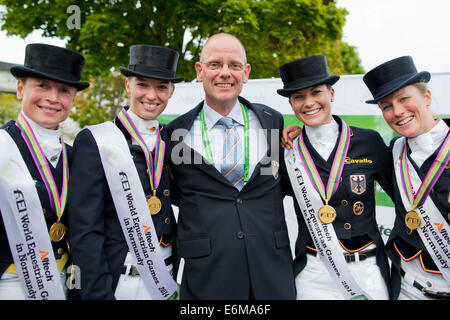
(48, 139)
(146, 128)
(257, 141)
(423, 146)
(323, 138)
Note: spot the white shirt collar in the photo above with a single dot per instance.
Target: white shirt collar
(48, 139)
(41, 132)
(212, 116)
(430, 141)
(325, 133)
(143, 126)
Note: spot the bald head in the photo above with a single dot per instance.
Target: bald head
(223, 69)
(217, 38)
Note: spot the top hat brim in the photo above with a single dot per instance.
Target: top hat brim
(24, 72)
(423, 76)
(128, 72)
(286, 92)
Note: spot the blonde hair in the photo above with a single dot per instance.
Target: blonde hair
(421, 86)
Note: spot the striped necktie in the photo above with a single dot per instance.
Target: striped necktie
(232, 161)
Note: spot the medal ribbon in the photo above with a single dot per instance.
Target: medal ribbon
(336, 168)
(431, 177)
(57, 201)
(155, 166)
(207, 145)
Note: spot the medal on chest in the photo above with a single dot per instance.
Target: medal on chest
(57, 200)
(327, 214)
(154, 163)
(413, 219)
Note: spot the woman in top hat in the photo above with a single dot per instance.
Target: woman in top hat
(418, 244)
(35, 155)
(122, 246)
(333, 168)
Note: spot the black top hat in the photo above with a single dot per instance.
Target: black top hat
(152, 62)
(52, 62)
(304, 73)
(391, 76)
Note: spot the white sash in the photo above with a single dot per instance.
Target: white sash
(434, 230)
(323, 235)
(25, 226)
(132, 210)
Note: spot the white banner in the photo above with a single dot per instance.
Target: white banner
(132, 210)
(26, 227)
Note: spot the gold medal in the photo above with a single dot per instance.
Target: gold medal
(154, 204)
(358, 208)
(327, 214)
(57, 231)
(413, 220)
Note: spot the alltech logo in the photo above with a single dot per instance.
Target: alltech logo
(443, 231)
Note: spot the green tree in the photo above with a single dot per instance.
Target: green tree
(273, 31)
(9, 107)
(101, 102)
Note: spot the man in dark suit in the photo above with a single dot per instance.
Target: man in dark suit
(232, 232)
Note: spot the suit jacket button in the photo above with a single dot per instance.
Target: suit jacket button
(60, 251)
(167, 220)
(44, 210)
(166, 192)
(240, 235)
(347, 226)
(344, 203)
(239, 201)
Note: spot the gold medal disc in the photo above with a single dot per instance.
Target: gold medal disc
(327, 214)
(413, 220)
(57, 231)
(154, 205)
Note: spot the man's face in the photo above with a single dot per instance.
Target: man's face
(223, 71)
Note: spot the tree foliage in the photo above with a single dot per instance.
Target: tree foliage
(101, 102)
(9, 107)
(273, 31)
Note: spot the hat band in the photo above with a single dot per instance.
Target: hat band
(306, 81)
(54, 72)
(393, 84)
(152, 71)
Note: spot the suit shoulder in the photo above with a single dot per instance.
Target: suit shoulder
(83, 139)
(367, 133)
(8, 124)
(186, 117)
(391, 144)
(267, 109)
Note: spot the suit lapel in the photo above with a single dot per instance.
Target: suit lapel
(185, 123)
(268, 123)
